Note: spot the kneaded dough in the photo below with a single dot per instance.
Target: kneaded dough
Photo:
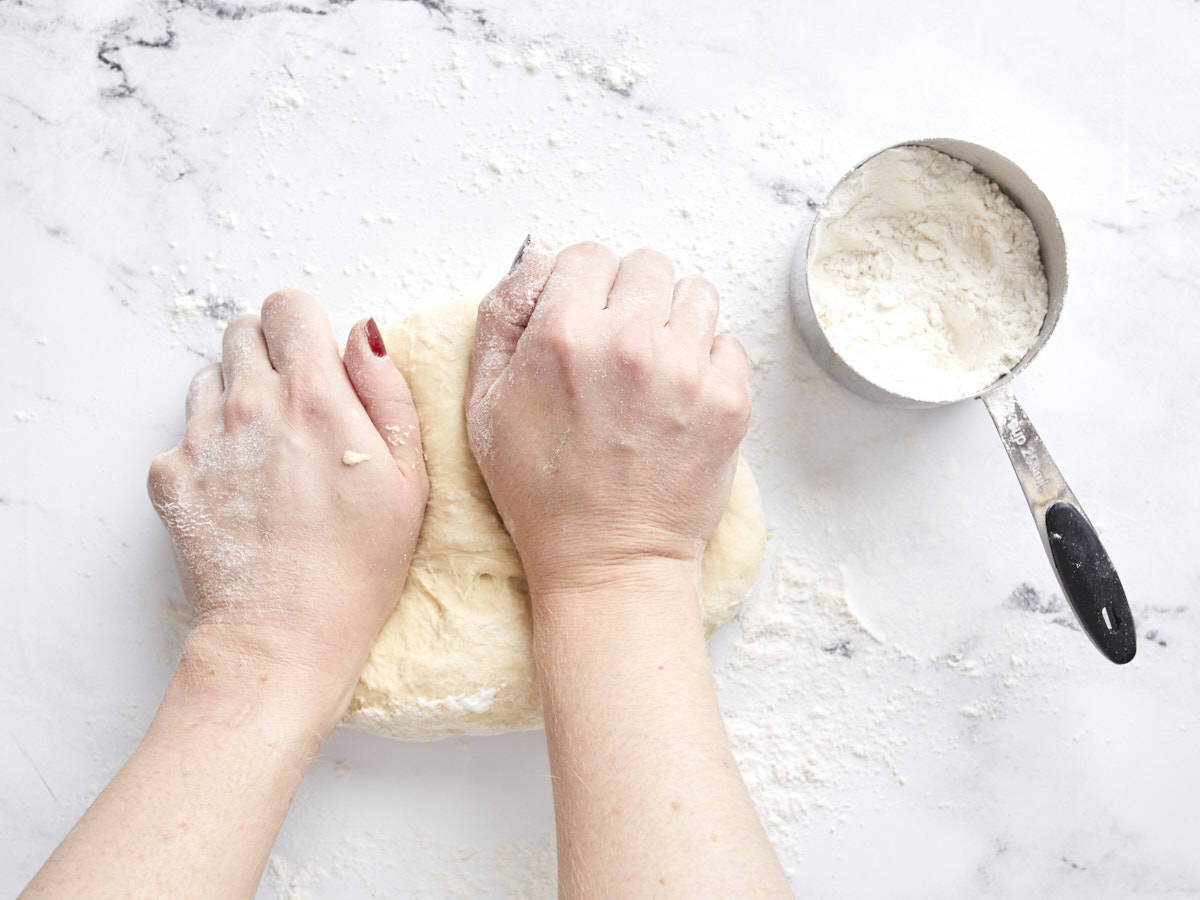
(455, 656)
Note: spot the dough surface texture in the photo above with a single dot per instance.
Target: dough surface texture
(455, 657)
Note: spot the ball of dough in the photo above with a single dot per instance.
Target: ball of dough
(455, 656)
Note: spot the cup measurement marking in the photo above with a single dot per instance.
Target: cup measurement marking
(1017, 435)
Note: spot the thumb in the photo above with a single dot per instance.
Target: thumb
(385, 396)
(504, 313)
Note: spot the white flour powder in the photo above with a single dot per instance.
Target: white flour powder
(925, 276)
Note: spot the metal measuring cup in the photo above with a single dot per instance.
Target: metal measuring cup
(1084, 570)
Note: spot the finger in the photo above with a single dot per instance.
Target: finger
(384, 395)
(504, 313)
(643, 286)
(732, 396)
(298, 334)
(730, 360)
(204, 393)
(583, 276)
(244, 350)
(694, 308)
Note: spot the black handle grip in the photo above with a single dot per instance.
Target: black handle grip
(1090, 582)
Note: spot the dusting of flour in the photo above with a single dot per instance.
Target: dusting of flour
(523, 867)
(925, 276)
(811, 726)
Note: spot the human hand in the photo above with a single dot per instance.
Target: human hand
(605, 416)
(604, 412)
(290, 553)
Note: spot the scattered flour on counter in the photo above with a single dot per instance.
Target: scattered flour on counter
(535, 59)
(925, 276)
(827, 709)
(195, 305)
(286, 96)
(524, 868)
(799, 654)
(188, 305)
(294, 883)
(622, 75)
(603, 80)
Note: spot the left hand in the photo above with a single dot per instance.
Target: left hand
(291, 556)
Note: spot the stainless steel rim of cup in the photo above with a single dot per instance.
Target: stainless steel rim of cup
(1021, 189)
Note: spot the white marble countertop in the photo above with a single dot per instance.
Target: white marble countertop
(915, 712)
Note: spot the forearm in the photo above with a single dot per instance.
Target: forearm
(647, 796)
(196, 809)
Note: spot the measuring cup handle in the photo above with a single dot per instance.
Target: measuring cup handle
(1080, 561)
(1090, 582)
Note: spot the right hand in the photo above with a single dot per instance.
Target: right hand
(604, 412)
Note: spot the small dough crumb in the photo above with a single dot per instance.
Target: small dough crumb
(353, 458)
(398, 436)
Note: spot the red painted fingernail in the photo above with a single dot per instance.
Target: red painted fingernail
(375, 339)
(520, 254)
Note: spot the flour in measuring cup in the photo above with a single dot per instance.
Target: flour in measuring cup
(925, 277)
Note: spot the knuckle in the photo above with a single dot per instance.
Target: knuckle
(681, 371)
(648, 256)
(287, 303)
(196, 434)
(245, 320)
(733, 406)
(560, 342)
(733, 361)
(561, 338)
(590, 249)
(243, 405)
(561, 345)
(202, 381)
(203, 376)
(165, 476)
(634, 350)
(697, 286)
(307, 392)
(689, 384)
(282, 298)
(163, 467)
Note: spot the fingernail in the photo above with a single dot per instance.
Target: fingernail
(375, 339)
(516, 263)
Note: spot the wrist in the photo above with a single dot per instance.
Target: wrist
(628, 609)
(618, 648)
(666, 577)
(229, 681)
